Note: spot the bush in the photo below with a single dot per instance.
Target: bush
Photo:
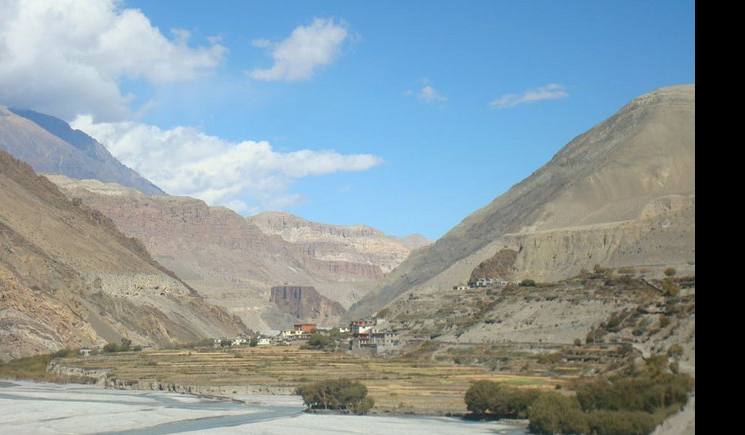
(553, 413)
(670, 271)
(670, 287)
(491, 399)
(527, 283)
(676, 350)
(125, 346)
(338, 394)
(620, 422)
(640, 393)
(319, 341)
(62, 353)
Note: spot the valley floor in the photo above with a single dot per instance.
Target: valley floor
(399, 386)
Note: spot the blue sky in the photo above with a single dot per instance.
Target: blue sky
(445, 155)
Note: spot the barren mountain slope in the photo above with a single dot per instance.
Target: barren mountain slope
(629, 180)
(223, 255)
(348, 243)
(68, 277)
(49, 145)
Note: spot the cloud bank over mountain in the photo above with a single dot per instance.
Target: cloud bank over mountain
(187, 161)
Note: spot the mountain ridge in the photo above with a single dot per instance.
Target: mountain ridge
(50, 145)
(608, 174)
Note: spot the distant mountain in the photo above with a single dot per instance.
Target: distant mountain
(69, 278)
(49, 145)
(621, 194)
(349, 243)
(234, 263)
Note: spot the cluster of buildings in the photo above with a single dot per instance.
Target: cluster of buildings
(367, 334)
(299, 331)
(481, 283)
(242, 341)
(363, 335)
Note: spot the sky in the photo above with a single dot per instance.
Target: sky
(405, 116)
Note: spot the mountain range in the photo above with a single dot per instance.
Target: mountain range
(107, 254)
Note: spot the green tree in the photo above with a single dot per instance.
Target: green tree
(553, 413)
(341, 395)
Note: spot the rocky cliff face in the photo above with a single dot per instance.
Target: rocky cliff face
(49, 145)
(620, 194)
(304, 304)
(361, 248)
(68, 277)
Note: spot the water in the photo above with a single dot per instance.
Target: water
(30, 408)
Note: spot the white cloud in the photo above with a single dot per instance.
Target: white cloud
(551, 91)
(427, 93)
(67, 57)
(306, 49)
(186, 161)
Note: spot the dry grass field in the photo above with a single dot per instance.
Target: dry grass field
(397, 385)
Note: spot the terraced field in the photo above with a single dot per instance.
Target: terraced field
(397, 385)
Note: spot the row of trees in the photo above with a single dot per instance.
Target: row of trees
(631, 404)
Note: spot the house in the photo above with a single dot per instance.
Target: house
(361, 326)
(461, 287)
(307, 328)
(239, 341)
(264, 341)
(291, 334)
(85, 351)
(378, 342)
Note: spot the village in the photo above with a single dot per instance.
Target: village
(365, 336)
(482, 283)
(360, 336)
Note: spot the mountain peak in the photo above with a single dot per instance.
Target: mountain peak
(51, 146)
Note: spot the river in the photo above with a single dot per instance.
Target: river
(43, 408)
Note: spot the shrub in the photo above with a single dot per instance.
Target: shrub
(527, 283)
(491, 399)
(125, 346)
(670, 287)
(577, 342)
(670, 271)
(648, 392)
(620, 422)
(553, 413)
(676, 350)
(319, 341)
(338, 394)
(63, 353)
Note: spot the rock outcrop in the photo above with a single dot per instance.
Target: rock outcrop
(304, 304)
